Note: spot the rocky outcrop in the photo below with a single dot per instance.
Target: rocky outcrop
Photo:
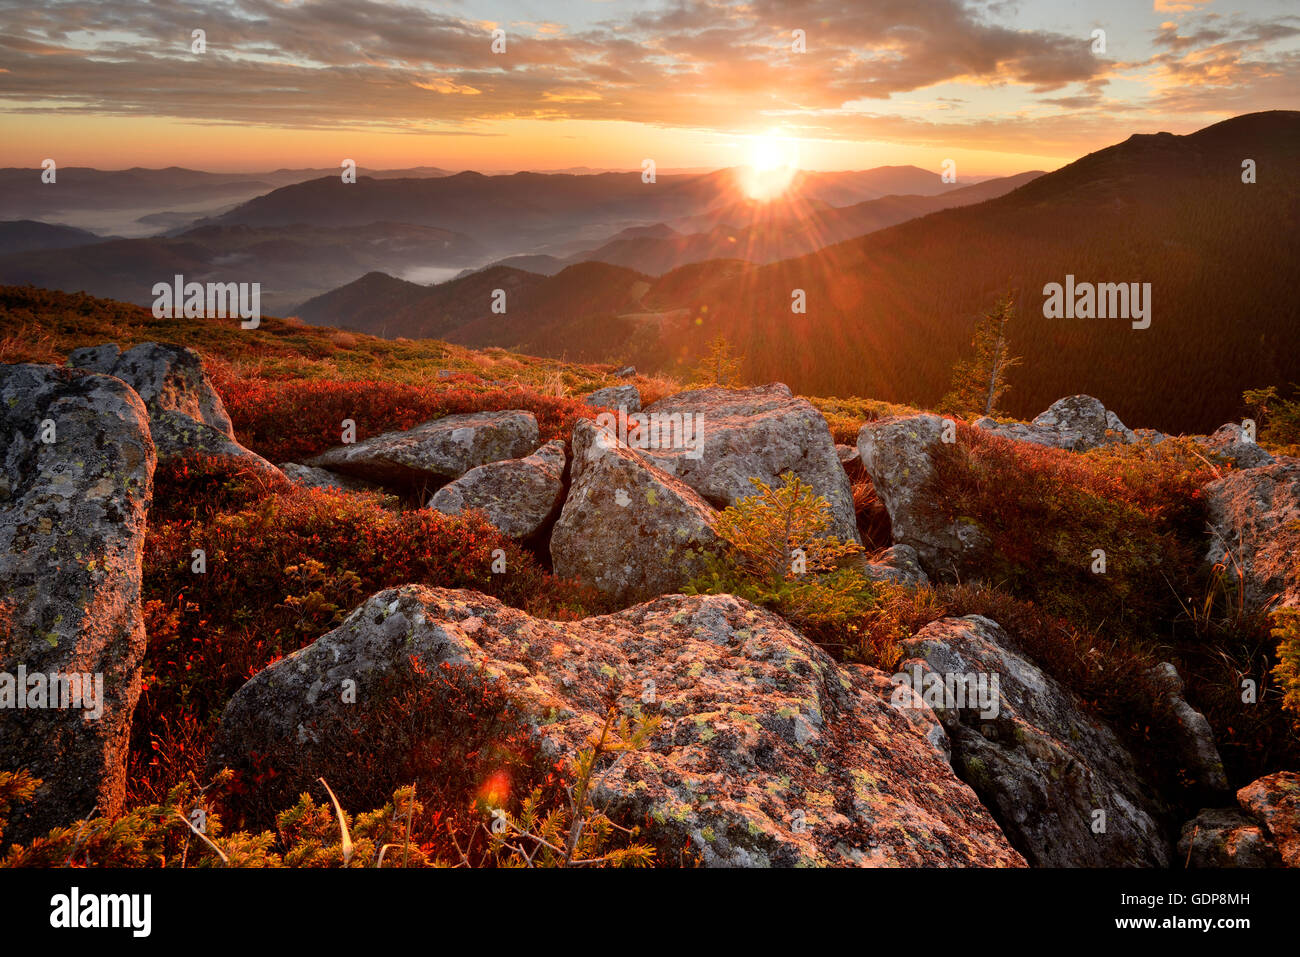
(898, 454)
(185, 413)
(1061, 785)
(1195, 741)
(627, 527)
(1229, 442)
(76, 477)
(1077, 423)
(519, 496)
(624, 397)
(769, 753)
(1254, 527)
(1263, 831)
(741, 434)
(435, 451)
(324, 478)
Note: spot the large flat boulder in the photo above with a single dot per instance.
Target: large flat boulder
(1062, 786)
(1254, 525)
(72, 525)
(769, 753)
(741, 434)
(627, 527)
(898, 454)
(1077, 423)
(519, 496)
(432, 452)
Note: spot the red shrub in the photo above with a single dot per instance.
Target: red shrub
(283, 572)
(196, 486)
(293, 420)
(1045, 512)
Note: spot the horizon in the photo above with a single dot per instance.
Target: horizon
(998, 88)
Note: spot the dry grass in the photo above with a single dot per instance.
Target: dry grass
(29, 344)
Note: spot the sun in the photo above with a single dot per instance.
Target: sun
(773, 162)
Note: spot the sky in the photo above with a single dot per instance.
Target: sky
(997, 86)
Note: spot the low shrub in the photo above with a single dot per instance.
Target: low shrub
(292, 420)
(279, 573)
(452, 734)
(1049, 515)
(195, 487)
(779, 553)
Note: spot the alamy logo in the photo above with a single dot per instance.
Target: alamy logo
(214, 300)
(1105, 300)
(38, 692)
(74, 910)
(658, 431)
(946, 692)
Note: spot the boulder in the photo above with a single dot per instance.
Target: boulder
(435, 451)
(1274, 801)
(1225, 837)
(898, 454)
(627, 527)
(899, 565)
(624, 397)
(1042, 765)
(1263, 831)
(186, 415)
(324, 478)
(760, 433)
(1196, 747)
(519, 496)
(1229, 442)
(769, 753)
(72, 525)
(1254, 527)
(167, 377)
(1077, 423)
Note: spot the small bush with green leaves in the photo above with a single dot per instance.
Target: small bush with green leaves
(1279, 418)
(780, 553)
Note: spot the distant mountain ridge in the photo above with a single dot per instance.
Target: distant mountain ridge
(890, 312)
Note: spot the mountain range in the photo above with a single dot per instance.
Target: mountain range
(890, 312)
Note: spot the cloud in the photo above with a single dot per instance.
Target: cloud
(705, 64)
(1178, 6)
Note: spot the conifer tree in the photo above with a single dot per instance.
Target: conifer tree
(719, 367)
(979, 382)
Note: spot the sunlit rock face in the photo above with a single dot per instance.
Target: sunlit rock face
(76, 480)
(768, 752)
